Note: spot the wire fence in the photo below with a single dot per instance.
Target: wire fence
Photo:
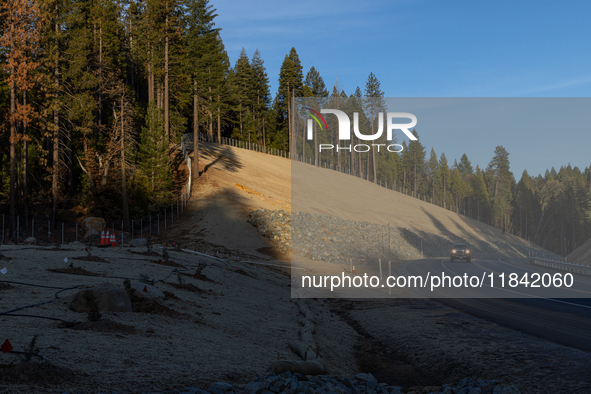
(65, 232)
(188, 139)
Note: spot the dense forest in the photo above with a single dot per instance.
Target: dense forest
(94, 94)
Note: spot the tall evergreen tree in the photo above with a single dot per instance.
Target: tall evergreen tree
(416, 152)
(432, 173)
(374, 104)
(465, 166)
(153, 157)
(290, 85)
(262, 94)
(481, 196)
(501, 184)
(444, 178)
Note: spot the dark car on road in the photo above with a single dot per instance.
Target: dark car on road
(460, 252)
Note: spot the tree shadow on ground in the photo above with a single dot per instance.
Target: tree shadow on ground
(217, 155)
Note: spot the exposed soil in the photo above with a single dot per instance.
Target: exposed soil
(103, 325)
(200, 277)
(168, 263)
(35, 373)
(150, 253)
(170, 295)
(152, 306)
(420, 342)
(188, 287)
(73, 271)
(95, 259)
(375, 357)
(243, 272)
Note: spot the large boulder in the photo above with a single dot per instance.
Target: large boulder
(111, 300)
(93, 226)
(31, 241)
(146, 291)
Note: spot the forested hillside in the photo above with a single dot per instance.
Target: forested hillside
(94, 95)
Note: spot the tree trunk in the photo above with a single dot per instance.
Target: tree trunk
(444, 193)
(166, 103)
(195, 131)
(100, 89)
(415, 179)
(240, 118)
(70, 161)
(289, 125)
(25, 163)
(13, 138)
(126, 225)
(219, 121)
(150, 75)
(56, 130)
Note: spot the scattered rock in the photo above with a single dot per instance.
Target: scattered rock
(220, 387)
(336, 240)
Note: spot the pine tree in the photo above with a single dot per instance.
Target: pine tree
(525, 204)
(444, 178)
(481, 196)
(374, 104)
(153, 157)
(206, 62)
(21, 39)
(416, 152)
(262, 94)
(290, 86)
(465, 167)
(501, 184)
(314, 86)
(432, 172)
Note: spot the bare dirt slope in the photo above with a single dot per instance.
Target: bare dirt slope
(235, 182)
(322, 191)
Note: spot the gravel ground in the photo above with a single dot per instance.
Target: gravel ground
(335, 240)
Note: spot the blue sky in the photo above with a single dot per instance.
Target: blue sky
(429, 48)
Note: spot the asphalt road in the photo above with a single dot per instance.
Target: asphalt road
(559, 314)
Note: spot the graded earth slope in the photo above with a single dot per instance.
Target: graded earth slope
(236, 181)
(581, 255)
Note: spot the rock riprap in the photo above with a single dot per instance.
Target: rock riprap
(362, 383)
(336, 240)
